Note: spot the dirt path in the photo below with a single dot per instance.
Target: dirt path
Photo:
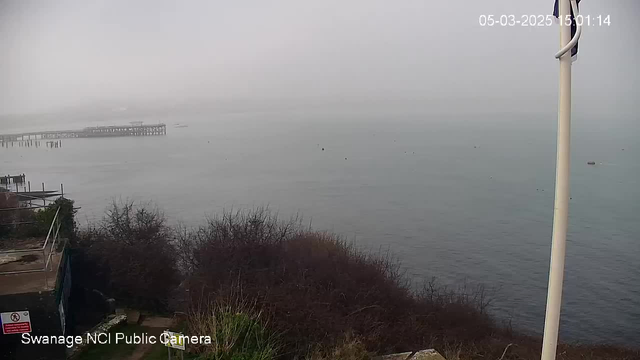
(139, 352)
(154, 326)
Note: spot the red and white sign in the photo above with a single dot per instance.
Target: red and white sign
(15, 322)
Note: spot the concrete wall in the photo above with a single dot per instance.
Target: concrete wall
(46, 319)
(429, 354)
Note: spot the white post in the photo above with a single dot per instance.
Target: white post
(561, 203)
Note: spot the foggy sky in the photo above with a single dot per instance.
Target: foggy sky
(60, 53)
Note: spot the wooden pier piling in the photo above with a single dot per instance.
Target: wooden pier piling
(12, 179)
(135, 129)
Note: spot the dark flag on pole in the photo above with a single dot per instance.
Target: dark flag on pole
(574, 51)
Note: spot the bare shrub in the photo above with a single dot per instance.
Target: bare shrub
(350, 348)
(129, 255)
(316, 287)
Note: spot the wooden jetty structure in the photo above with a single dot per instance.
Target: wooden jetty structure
(133, 129)
(26, 196)
(9, 179)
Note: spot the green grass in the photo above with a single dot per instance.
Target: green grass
(236, 334)
(121, 351)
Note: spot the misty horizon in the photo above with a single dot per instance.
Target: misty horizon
(101, 54)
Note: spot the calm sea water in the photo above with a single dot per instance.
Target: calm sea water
(461, 198)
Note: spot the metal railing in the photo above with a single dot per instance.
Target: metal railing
(55, 223)
(48, 248)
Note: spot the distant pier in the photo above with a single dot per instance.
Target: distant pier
(135, 129)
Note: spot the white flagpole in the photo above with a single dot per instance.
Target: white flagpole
(561, 203)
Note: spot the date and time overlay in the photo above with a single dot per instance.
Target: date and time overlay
(511, 20)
